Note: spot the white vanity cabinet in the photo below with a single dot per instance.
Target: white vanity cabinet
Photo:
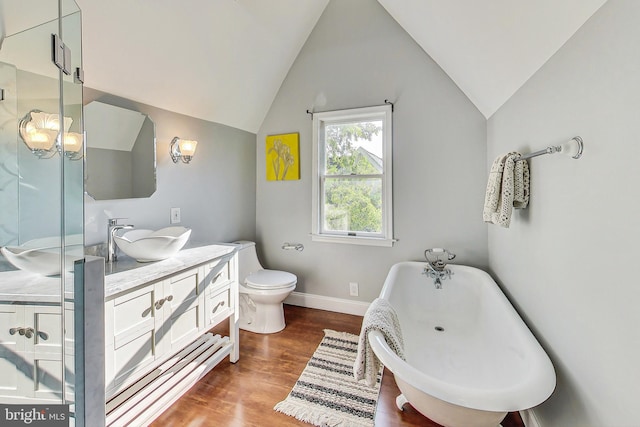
(131, 326)
(30, 353)
(144, 325)
(156, 330)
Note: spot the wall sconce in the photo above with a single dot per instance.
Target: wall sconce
(182, 149)
(40, 130)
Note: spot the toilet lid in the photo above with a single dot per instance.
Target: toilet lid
(270, 279)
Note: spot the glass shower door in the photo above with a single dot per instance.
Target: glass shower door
(41, 191)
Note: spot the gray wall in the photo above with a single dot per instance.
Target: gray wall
(215, 192)
(142, 170)
(111, 173)
(569, 260)
(357, 56)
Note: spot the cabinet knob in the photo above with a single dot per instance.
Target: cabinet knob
(169, 298)
(28, 332)
(13, 331)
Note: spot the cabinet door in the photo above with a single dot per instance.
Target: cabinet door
(46, 350)
(182, 311)
(130, 334)
(14, 368)
(30, 352)
(218, 306)
(219, 299)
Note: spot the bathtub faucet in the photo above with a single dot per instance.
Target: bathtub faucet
(436, 265)
(437, 275)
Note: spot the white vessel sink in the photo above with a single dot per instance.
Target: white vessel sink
(42, 256)
(149, 245)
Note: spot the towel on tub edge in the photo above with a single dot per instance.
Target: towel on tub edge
(380, 316)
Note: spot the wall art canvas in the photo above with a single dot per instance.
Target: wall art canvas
(283, 157)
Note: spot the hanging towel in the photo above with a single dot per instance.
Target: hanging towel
(507, 187)
(380, 316)
(520, 184)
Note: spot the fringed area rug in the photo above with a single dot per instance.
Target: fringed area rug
(327, 394)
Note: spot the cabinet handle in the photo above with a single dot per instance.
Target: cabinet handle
(43, 335)
(27, 332)
(220, 304)
(161, 301)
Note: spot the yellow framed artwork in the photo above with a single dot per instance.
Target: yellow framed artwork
(283, 157)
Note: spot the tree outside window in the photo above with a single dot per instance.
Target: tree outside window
(352, 194)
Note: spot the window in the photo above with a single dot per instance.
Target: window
(352, 176)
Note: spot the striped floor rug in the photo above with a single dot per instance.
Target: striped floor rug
(326, 394)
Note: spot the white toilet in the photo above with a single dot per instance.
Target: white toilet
(261, 292)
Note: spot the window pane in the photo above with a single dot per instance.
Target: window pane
(353, 205)
(353, 148)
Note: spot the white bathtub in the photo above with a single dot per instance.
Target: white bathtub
(470, 359)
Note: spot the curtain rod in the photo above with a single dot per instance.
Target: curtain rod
(386, 101)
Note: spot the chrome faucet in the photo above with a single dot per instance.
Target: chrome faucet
(436, 265)
(111, 231)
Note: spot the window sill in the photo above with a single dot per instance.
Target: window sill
(353, 240)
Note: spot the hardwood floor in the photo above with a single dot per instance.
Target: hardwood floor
(243, 394)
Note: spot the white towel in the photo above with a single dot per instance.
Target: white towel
(520, 183)
(507, 187)
(382, 317)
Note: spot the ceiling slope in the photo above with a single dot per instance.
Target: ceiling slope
(218, 60)
(224, 60)
(490, 48)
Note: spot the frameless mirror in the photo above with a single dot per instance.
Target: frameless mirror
(121, 152)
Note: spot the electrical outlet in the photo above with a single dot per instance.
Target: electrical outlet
(175, 215)
(353, 289)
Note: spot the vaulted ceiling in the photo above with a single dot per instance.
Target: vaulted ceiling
(224, 60)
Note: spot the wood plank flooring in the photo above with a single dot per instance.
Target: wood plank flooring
(243, 394)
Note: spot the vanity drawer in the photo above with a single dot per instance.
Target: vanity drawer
(217, 274)
(218, 305)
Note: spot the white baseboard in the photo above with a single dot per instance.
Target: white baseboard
(529, 418)
(338, 305)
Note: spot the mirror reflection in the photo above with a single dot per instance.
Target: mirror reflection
(121, 152)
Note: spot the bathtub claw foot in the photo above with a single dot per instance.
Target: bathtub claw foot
(400, 401)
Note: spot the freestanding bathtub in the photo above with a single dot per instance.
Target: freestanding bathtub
(470, 359)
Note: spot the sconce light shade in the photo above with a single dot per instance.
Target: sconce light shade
(72, 142)
(39, 131)
(183, 149)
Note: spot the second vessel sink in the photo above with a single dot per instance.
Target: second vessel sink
(42, 256)
(149, 245)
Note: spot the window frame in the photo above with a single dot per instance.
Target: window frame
(320, 120)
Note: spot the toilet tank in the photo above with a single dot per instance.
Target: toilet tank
(247, 259)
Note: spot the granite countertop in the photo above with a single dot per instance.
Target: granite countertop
(117, 281)
(22, 286)
(125, 274)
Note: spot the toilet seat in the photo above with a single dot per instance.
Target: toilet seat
(270, 279)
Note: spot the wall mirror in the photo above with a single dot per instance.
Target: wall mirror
(120, 154)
